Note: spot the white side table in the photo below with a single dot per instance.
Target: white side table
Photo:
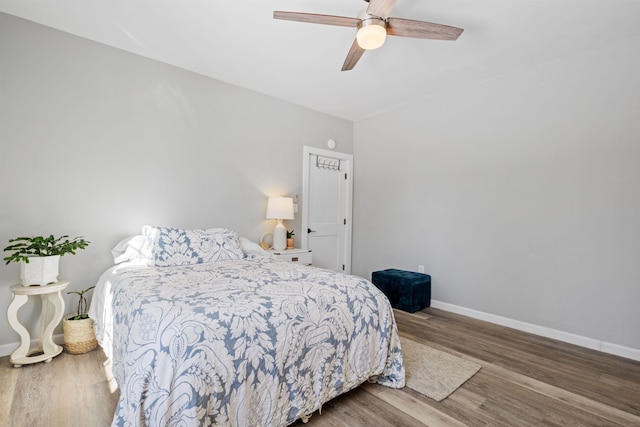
(51, 295)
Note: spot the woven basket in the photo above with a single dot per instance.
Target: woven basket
(79, 337)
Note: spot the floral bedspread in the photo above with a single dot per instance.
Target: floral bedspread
(242, 343)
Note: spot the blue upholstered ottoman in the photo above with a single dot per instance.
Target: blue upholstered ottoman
(406, 290)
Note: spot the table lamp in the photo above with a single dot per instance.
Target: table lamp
(280, 208)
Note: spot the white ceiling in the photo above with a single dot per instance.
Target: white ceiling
(239, 42)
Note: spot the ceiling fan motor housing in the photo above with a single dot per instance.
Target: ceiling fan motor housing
(371, 31)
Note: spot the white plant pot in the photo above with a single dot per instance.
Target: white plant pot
(40, 270)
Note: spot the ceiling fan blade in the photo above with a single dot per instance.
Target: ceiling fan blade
(381, 8)
(314, 18)
(354, 55)
(421, 30)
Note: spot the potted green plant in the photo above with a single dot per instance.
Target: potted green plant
(290, 240)
(77, 327)
(39, 256)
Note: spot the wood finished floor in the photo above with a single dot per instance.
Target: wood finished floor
(525, 380)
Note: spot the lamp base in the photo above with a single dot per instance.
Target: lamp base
(279, 236)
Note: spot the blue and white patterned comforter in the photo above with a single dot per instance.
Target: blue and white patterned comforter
(257, 342)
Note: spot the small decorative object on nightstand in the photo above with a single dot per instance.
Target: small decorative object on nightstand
(295, 255)
(291, 241)
(51, 296)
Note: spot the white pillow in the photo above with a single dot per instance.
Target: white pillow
(251, 249)
(136, 248)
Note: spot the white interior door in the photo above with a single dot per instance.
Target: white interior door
(326, 208)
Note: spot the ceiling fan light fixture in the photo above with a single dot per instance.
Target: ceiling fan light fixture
(371, 33)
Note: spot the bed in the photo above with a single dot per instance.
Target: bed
(236, 338)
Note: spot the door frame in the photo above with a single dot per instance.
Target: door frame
(307, 152)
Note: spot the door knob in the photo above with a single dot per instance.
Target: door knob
(310, 230)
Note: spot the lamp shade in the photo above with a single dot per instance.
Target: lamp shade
(280, 208)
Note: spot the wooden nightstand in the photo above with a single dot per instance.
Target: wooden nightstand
(51, 295)
(295, 255)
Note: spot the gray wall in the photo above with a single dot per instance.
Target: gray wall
(97, 142)
(520, 196)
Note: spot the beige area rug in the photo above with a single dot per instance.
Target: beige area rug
(434, 373)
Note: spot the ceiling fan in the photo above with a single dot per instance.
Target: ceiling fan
(374, 24)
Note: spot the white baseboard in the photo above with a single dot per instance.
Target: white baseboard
(7, 349)
(594, 344)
